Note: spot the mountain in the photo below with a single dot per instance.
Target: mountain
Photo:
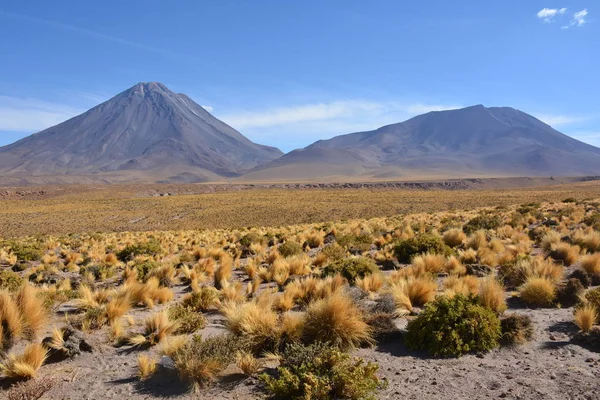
(145, 133)
(469, 142)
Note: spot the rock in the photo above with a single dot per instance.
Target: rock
(74, 343)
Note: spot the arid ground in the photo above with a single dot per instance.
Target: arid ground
(122, 282)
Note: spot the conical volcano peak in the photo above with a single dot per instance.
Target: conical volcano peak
(145, 128)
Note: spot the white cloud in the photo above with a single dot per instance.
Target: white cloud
(208, 108)
(579, 19)
(548, 14)
(298, 126)
(30, 115)
(560, 120)
(339, 111)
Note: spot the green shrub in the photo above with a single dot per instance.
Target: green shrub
(425, 243)
(26, 251)
(10, 280)
(200, 361)
(484, 221)
(144, 268)
(451, 327)
(334, 252)
(593, 220)
(189, 320)
(351, 268)
(516, 329)
(150, 248)
(360, 242)
(321, 372)
(250, 238)
(98, 271)
(592, 296)
(288, 249)
(202, 300)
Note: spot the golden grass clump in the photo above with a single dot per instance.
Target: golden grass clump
(454, 267)
(371, 283)
(26, 365)
(491, 294)
(585, 317)
(465, 285)
(33, 313)
(550, 239)
(157, 328)
(565, 252)
(247, 363)
(11, 326)
(591, 263)
(224, 272)
(336, 320)
(255, 321)
(431, 263)
(146, 366)
(538, 292)
(454, 237)
(477, 240)
(468, 256)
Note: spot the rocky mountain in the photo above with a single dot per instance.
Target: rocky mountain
(470, 142)
(146, 133)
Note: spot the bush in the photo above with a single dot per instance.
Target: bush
(250, 238)
(592, 297)
(144, 268)
(568, 292)
(26, 251)
(189, 321)
(451, 327)
(150, 248)
(334, 252)
(288, 249)
(582, 277)
(516, 329)
(426, 243)
(321, 372)
(351, 268)
(360, 242)
(200, 361)
(202, 300)
(10, 280)
(482, 222)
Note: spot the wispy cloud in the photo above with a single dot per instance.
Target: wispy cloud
(208, 108)
(298, 126)
(548, 14)
(333, 111)
(31, 115)
(578, 20)
(560, 120)
(87, 32)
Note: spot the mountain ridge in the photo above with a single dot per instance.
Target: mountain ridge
(471, 141)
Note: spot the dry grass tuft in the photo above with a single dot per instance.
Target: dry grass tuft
(591, 263)
(491, 294)
(539, 292)
(11, 326)
(157, 328)
(585, 317)
(336, 320)
(146, 366)
(454, 237)
(26, 365)
(247, 363)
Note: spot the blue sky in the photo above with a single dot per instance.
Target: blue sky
(287, 73)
